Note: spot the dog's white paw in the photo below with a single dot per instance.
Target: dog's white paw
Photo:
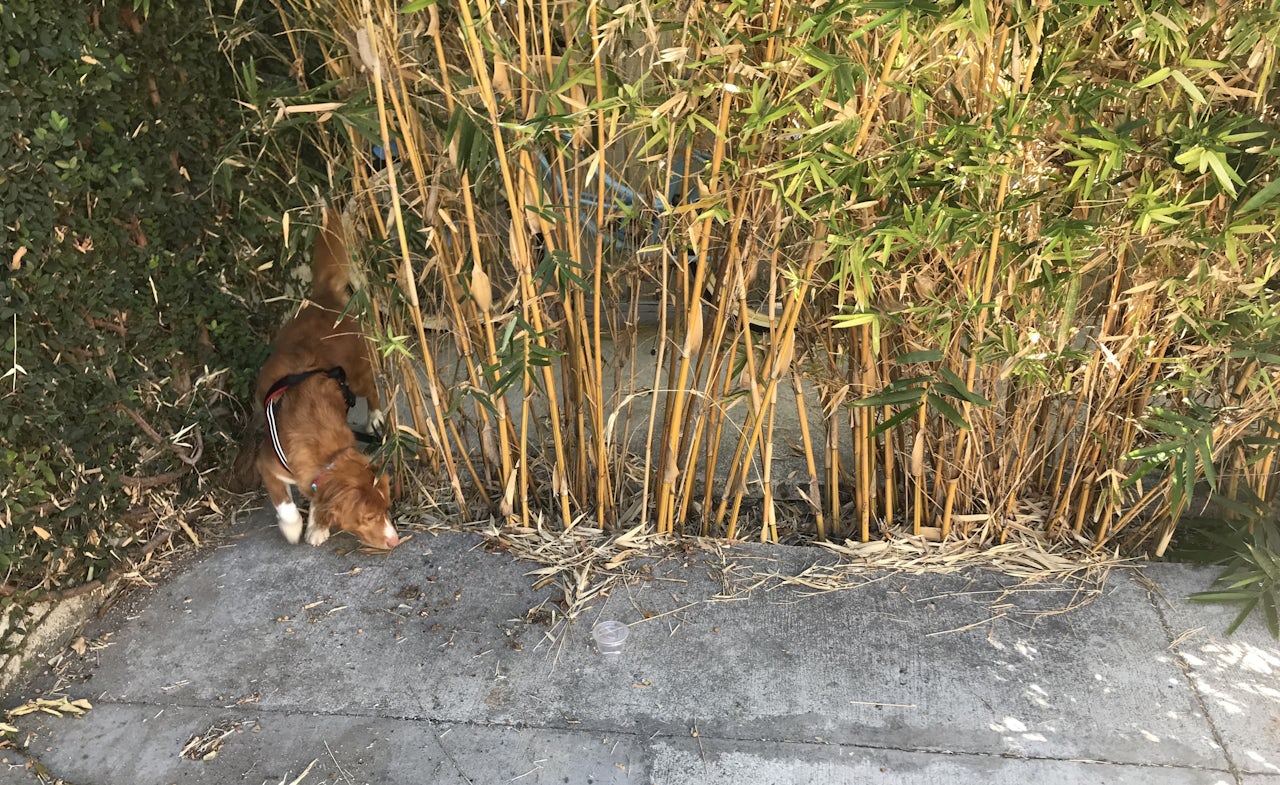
(290, 522)
(317, 535)
(377, 418)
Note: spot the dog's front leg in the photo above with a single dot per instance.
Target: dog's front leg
(287, 514)
(317, 534)
(281, 495)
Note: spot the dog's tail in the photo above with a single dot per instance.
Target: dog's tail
(331, 264)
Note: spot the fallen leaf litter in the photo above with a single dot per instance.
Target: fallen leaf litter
(585, 564)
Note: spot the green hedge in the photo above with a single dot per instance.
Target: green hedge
(126, 297)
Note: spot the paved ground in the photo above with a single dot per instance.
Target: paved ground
(433, 665)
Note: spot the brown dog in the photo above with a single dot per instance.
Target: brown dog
(320, 362)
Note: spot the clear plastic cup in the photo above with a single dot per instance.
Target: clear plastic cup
(609, 637)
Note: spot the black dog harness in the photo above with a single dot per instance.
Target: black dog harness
(271, 404)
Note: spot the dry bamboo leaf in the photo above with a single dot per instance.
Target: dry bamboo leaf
(189, 532)
(552, 570)
(672, 105)
(298, 780)
(206, 746)
(785, 354)
(56, 708)
(481, 291)
(489, 443)
(501, 84)
(629, 537)
(693, 330)
(16, 262)
(364, 49)
(672, 471)
(507, 508)
(620, 558)
(317, 108)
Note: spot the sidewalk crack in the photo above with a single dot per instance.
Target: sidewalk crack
(1157, 599)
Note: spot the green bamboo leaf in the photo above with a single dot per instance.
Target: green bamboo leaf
(1267, 194)
(1222, 171)
(1244, 136)
(1267, 562)
(1204, 446)
(1250, 354)
(1244, 229)
(1158, 451)
(1244, 510)
(981, 25)
(910, 381)
(842, 320)
(923, 356)
(1183, 488)
(1222, 596)
(1189, 158)
(1106, 145)
(1172, 423)
(1251, 579)
(961, 390)
(896, 420)
(892, 397)
(1269, 614)
(1155, 78)
(481, 398)
(416, 5)
(1207, 65)
(1187, 87)
(948, 411)
(1137, 474)
(879, 21)
(1244, 614)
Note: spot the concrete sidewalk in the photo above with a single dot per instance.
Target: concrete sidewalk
(432, 665)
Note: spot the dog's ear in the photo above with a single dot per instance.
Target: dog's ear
(383, 482)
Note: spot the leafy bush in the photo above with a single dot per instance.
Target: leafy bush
(129, 340)
(1243, 536)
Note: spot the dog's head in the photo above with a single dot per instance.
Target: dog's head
(353, 499)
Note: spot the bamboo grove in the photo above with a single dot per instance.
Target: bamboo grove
(1007, 267)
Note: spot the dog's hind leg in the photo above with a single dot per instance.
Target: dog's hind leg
(363, 382)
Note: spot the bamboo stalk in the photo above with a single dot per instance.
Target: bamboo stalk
(814, 495)
(534, 314)
(693, 336)
(833, 472)
(769, 525)
(866, 443)
(889, 459)
(781, 353)
(917, 472)
(604, 498)
(415, 309)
